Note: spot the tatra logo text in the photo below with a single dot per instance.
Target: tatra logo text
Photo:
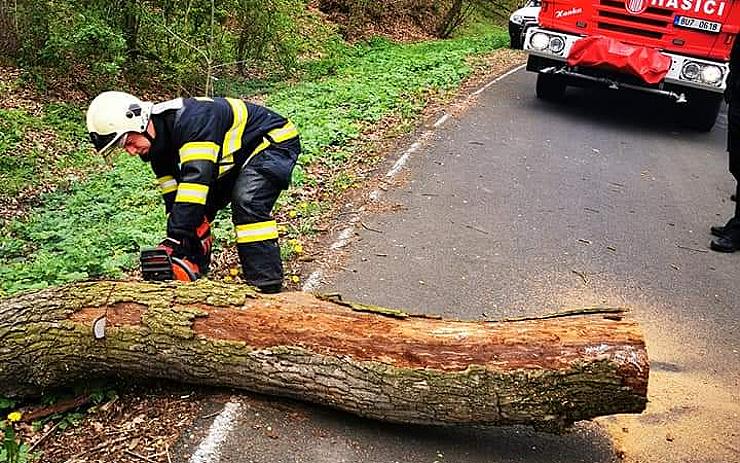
(709, 7)
(571, 12)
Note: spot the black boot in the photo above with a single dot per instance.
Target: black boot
(271, 289)
(719, 230)
(261, 265)
(729, 241)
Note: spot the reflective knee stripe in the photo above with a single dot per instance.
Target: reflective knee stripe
(199, 151)
(233, 138)
(223, 168)
(261, 147)
(167, 184)
(191, 193)
(283, 133)
(203, 98)
(254, 232)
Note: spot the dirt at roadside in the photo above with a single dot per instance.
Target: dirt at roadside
(690, 412)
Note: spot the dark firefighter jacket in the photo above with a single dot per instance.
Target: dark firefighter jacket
(198, 143)
(733, 80)
(732, 95)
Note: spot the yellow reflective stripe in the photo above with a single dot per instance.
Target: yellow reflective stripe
(285, 132)
(259, 231)
(224, 168)
(265, 143)
(227, 159)
(191, 193)
(199, 151)
(233, 138)
(167, 184)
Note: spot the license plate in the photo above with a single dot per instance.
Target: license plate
(698, 24)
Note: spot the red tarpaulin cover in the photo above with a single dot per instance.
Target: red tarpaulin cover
(604, 52)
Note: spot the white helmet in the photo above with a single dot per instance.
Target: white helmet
(114, 114)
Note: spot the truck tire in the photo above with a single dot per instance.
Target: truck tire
(701, 110)
(550, 87)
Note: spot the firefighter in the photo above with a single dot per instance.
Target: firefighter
(728, 237)
(205, 154)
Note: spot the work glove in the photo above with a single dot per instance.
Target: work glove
(203, 232)
(174, 247)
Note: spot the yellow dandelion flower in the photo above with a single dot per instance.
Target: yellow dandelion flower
(298, 248)
(295, 279)
(14, 416)
(293, 214)
(233, 271)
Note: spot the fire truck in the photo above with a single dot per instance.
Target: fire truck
(675, 48)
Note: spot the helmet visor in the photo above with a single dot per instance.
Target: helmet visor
(104, 143)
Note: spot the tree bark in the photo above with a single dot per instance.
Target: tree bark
(379, 363)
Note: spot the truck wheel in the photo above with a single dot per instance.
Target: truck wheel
(701, 110)
(550, 87)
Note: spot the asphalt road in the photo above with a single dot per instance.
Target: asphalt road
(518, 207)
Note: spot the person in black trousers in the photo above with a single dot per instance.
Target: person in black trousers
(207, 153)
(728, 237)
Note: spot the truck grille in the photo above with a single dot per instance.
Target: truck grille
(611, 15)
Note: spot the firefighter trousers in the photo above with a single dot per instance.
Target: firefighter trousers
(733, 137)
(256, 188)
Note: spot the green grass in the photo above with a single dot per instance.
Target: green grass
(95, 228)
(33, 148)
(90, 230)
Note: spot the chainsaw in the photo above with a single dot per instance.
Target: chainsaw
(158, 265)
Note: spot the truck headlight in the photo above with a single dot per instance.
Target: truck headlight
(691, 71)
(517, 19)
(711, 74)
(539, 41)
(556, 44)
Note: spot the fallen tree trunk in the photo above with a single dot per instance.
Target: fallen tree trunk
(374, 362)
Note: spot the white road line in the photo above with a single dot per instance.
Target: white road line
(441, 121)
(209, 450)
(315, 279)
(405, 157)
(501, 77)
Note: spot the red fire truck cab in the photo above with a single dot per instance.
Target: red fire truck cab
(676, 48)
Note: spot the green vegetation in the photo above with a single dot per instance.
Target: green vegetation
(12, 450)
(31, 145)
(94, 228)
(182, 46)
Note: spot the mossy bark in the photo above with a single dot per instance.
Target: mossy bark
(371, 361)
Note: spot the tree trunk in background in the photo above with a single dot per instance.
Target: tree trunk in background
(131, 28)
(9, 45)
(457, 14)
(374, 362)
